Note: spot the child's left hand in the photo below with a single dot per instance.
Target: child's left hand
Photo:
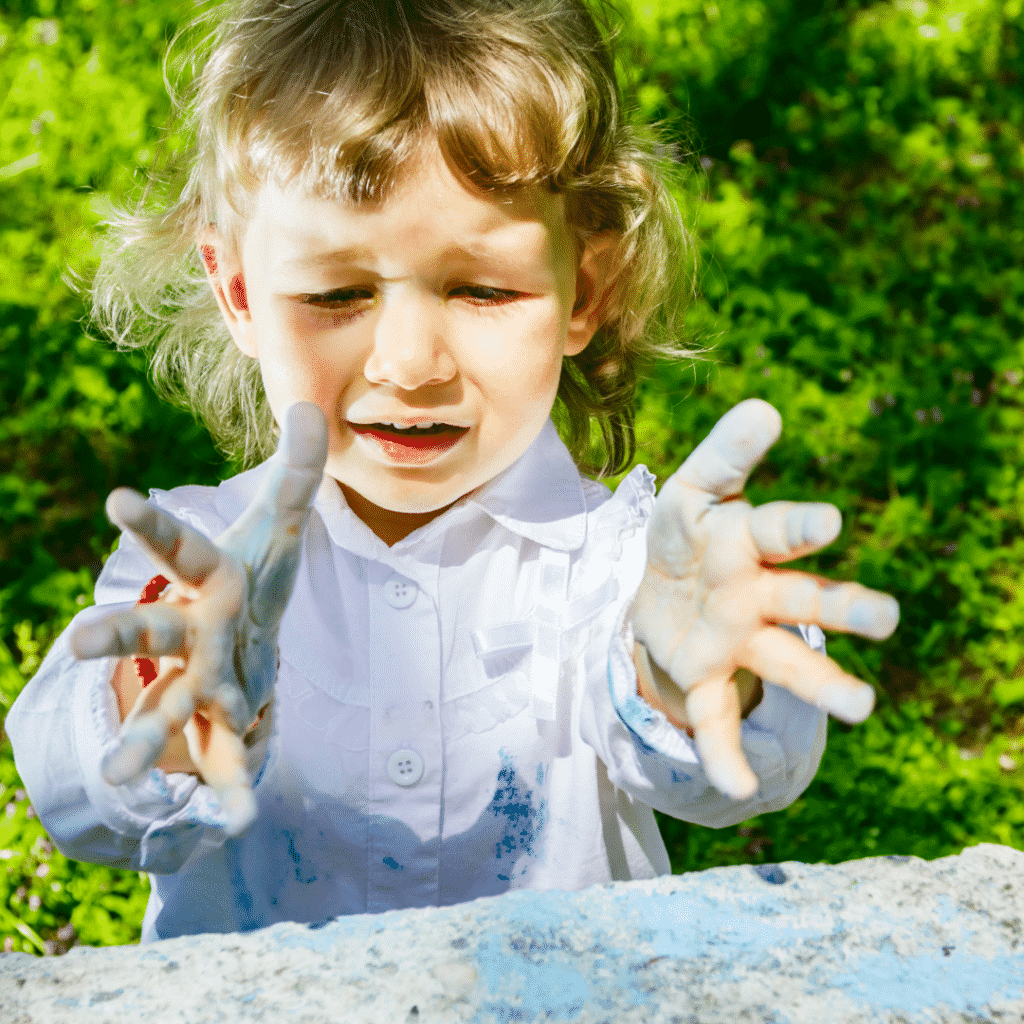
(709, 601)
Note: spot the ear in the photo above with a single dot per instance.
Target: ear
(593, 288)
(228, 284)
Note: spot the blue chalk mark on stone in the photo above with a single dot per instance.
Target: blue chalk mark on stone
(526, 991)
(771, 873)
(686, 925)
(524, 823)
(323, 937)
(910, 984)
(529, 975)
(393, 864)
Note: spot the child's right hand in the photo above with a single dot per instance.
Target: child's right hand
(217, 634)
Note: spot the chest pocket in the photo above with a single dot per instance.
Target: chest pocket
(551, 631)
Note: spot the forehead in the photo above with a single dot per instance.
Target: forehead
(428, 209)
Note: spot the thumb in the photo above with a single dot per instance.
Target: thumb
(722, 462)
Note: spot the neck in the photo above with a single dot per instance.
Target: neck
(390, 526)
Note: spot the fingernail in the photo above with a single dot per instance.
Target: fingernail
(851, 704)
(877, 618)
(235, 706)
(178, 705)
(239, 807)
(742, 789)
(125, 762)
(90, 642)
(822, 524)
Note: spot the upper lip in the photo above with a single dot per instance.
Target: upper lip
(406, 421)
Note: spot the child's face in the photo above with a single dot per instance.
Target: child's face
(438, 305)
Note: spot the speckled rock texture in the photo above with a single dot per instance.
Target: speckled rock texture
(889, 939)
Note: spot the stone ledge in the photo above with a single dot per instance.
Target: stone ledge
(883, 940)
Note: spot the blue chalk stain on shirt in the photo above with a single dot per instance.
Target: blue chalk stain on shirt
(247, 920)
(303, 873)
(393, 864)
(637, 715)
(540, 774)
(524, 822)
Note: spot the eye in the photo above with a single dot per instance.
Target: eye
(345, 299)
(339, 298)
(484, 296)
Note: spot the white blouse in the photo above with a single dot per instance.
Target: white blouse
(455, 716)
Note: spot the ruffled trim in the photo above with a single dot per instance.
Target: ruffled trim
(626, 511)
(484, 709)
(191, 504)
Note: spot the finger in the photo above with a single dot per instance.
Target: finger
(781, 658)
(713, 709)
(268, 534)
(163, 707)
(138, 749)
(187, 555)
(784, 530)
(297, 467)
(220, 756)
(797, 597)
(150, 629)
(722, 462)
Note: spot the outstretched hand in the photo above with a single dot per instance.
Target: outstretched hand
(215, 632)
(710, 601)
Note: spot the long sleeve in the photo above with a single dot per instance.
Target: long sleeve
(63, 723)
(783, 739)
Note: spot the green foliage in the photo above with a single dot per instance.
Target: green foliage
(861, 217)
(862, 223)
(49, 903)
(889, 786)
(81, 102)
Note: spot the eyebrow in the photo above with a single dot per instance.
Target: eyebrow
(351, 254)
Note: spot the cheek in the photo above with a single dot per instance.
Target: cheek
(297, 363)
(524, 361)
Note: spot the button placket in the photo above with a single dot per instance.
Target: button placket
(404, 785)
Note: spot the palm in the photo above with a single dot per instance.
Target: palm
(710, 601)
(216, 632)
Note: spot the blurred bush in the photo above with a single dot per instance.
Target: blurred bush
(862, 222)
(856, 174)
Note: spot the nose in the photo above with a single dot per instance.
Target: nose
(409, 344)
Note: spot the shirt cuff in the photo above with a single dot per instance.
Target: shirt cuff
(780, 738)
(164, 810)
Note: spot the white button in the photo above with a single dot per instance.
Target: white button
(400, 592)
(405, 767)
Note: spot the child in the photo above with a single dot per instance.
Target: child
(425, 659)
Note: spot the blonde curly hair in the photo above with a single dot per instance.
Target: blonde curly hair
(335, 96)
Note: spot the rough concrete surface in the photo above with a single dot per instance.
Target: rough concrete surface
(889, 939)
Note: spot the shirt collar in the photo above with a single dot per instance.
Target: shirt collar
(539, 497)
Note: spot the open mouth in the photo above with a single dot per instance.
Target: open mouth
(387, 428)
(411, 443)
